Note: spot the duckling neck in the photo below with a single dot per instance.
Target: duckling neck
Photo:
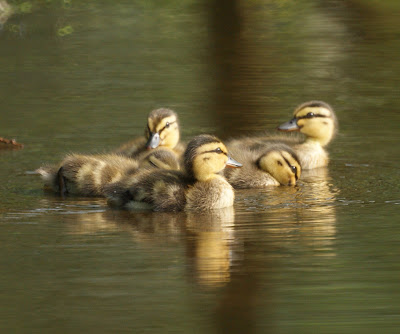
(207, 177)
(320, 141)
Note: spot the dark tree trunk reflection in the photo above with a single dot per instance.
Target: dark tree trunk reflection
(232, 64)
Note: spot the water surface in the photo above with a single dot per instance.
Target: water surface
(320, 257)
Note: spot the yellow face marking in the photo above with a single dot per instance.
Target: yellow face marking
(169, 135)
(279, 164)
(211, 147)
(208, 162)
(150, 124)
(320, 129)
(162, 124)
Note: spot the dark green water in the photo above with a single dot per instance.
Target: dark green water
(322, 257)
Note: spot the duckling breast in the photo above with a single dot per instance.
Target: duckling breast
(208, 195)
(311, 155)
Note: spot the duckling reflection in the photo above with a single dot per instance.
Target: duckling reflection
(304, 215)
(211, 246)
(144, 227)
(209, 238)
(162, 130)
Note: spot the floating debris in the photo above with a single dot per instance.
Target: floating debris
(10, 144)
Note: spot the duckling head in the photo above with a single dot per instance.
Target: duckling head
(162, 128)
(282, 164)
(205, 156)
(315, 119)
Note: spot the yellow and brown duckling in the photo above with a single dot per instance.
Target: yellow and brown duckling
(87, 175)
(318, 122)
(162, 130)
(200, 187)
(269, 165)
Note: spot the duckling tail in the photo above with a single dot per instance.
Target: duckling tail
(53, 179)
(48, 174)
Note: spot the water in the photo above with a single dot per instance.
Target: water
(321, 257)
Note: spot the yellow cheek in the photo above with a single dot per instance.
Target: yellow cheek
(301, 122)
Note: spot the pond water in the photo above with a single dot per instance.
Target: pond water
(321, 257)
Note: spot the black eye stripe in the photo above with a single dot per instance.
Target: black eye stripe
(215, 151)
(148, 128)
(152, 163)
(290, 166)
(315, 115)
(169, 124)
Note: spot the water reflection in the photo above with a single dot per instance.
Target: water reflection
(305, 214)
(313, 220)
(208, 238)
(214, 244)
(211, 246)
(5, 12)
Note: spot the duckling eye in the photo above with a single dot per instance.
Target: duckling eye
(218, 150)
(167, 125)
(294, 169)
(310, 114)
(279, 163)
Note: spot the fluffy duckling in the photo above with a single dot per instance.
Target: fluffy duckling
(316, 120)
(270, 165)
(199, 188)
(162, 131)
(86, 175)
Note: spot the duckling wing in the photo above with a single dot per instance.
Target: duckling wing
(160, 157)
(262, 142)
(164, 190)
(290, 139)
(133, 147)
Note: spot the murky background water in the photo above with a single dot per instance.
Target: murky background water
(81, 77)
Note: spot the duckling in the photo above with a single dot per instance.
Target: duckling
(318, 122)
(162, 131)
(270, 165)
(314, 119)
(86, 175)
(200, 187)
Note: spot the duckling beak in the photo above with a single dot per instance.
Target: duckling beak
(233, 163)
(154, 140)
(289, 126)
